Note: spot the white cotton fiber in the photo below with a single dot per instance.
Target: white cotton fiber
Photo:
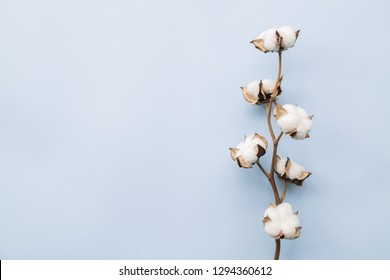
(288, 123)
(294, 109)
(269, 39)
(285, 211)
(281, 166)
(291, 109)
(272, 213)
(289, 36)
(302, 113)
(288, 231)
(268, 85)
(273, 228)
(249, 155)
(254, 88)
(293, 219)
(294, 171)
(248, 152)
(242, 145)
(301, 132)
(307, 124)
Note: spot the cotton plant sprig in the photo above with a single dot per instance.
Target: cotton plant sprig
(280, 221)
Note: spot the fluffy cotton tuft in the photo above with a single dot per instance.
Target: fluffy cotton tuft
(307, 123)
(270, 40)
(293, 120)
(301, 112)
(268, 85)
(254, 88)
(281, 222)
(302, 130)
(288, 123)
(248, 152)
(272, 229)
(284, 210)
(289, 36)
(291, 109)
(295, 171)
(281, 166)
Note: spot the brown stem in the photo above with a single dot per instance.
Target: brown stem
(275, 142)
(274, 152)
(262, 169)
(269, 105)
(277, 249)
(271, 131)
(271, 179)
(280, 136)
(284, 191)
(279, 75)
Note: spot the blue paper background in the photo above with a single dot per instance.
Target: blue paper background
(116, 118)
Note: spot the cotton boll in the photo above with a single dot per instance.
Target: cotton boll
(272, 228)
(254, 88)
(268, 85)
(288, 123)
(281, 166)
(291, 172)
(285, 211)
(281, 221)
(293, 120)
(270, 41)
(248, 152)
(289, 36)
(294, 171)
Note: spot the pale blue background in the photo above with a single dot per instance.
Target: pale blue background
(116, 118)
